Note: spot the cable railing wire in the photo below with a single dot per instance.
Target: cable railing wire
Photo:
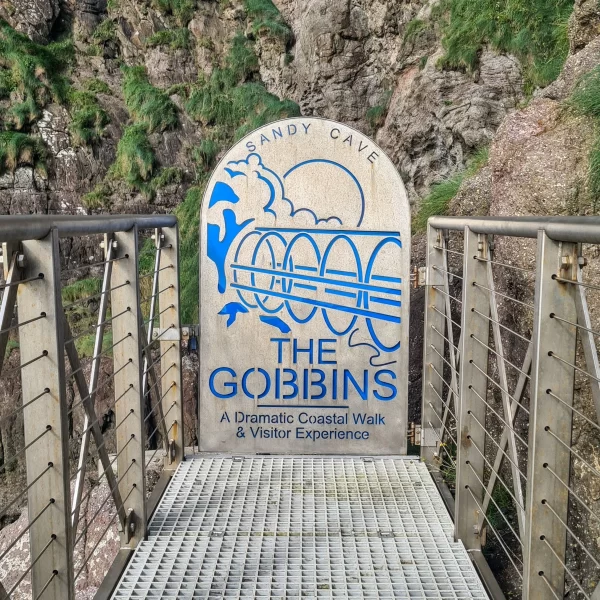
(511, 331)
(26, 529)
(444, 293)
(154, 272)
(573, 493)
(22, 323)
(26, 364)
(47, 584)
(4, 510)
(577, 412)
(158, 403)
(491, 497)
(499, 416)
(15, 457)
(501, 264)
(445, 404)
(498, 536)
(101, 353)
(172, 326)
(109, 378)
(95, 264)
(572, 533)
(24, 406)
(555, 316)
(448, 250)
(442, 423)
(445, 338)
(449, 273)
(152, 319)
(104, 472)
(573, 451)
(110, 523)
(512, 462)
(575, 367)
(448, 385)
(148, 298)
(94, 296)
(31, 565)
(564, 566)
(497, 475)
(590, 286)
(173, 345)
(4, 286)
(439, 312)
(102, 503)
(95, 327)
(496, 293)
(496, 384)
(474, 337)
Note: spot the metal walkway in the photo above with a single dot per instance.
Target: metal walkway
(311, 527)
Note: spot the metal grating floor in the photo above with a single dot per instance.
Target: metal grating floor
(291, 527)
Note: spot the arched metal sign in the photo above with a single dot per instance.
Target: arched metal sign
(304, 295)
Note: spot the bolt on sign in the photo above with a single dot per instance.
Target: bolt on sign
(304, 295)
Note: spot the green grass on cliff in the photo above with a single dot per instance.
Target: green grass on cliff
(18, 149)
(147, 104)
(229, 98)
(441, 194)
(88, 118)
(173, 38)
(135, 159)
(586, 101)
(266, 19)
(32, 74)
(181, 10)
(535, 31)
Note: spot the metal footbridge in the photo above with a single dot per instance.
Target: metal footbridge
(497, 505)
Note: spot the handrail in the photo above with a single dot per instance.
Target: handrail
(502, 406)
(36, 227)
(48, 340)
(564, 229)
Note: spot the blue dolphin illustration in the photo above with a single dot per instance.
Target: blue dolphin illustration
(231, 310)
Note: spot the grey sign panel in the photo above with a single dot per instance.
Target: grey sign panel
(304, 292)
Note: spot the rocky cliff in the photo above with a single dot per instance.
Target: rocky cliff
(125, 105)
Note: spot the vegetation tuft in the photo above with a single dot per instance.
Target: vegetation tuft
(376, 115)
(586, 101)
(135, 158)
(535, 31)
(88, 118)
(147, 104)
(98, 198)
(229, 99)
(266, 19)
(32, 74)
(441, 194)
(182, 10)
(173, 38)
(17, 149)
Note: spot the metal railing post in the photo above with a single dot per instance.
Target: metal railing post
(128, 387)
(472, 411)
(170, 347)
(550, 421)
(431, 431)
(50, 535)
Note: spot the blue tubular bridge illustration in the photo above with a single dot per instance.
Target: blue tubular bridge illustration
(269, 276)
(331, 267)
